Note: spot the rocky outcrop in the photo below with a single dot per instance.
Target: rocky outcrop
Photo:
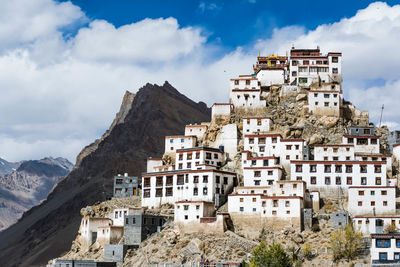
(26, 186)
(46, 231)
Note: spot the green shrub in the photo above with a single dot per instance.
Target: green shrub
(273, 256)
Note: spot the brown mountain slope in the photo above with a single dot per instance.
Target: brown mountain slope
(47, 230)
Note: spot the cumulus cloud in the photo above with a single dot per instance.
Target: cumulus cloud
(59, 94)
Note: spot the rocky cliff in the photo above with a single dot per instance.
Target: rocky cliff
(47, 230)
(27, 185)
(7, 167)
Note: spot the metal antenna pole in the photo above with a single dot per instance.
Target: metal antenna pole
(380, 121)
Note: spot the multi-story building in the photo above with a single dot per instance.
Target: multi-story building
(274, 145)
(271, 70)
(385, 249)
(393, 138)
(309, 66)
(197, 158)
(325, 100)
(333, 152)
(252, 125)
(221, 111)
(197, 130)
(330, 176)
(246, 93)
(372, 200)
(83, 263)
(181, 185)
(260, 171)
(172, 143)
(375, 224)
(272, 207)
(126, 186)
(88, 230)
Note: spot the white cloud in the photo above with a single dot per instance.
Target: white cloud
(60, 94)
(212, 7)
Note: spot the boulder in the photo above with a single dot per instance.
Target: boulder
(315, 139)
(301, 97)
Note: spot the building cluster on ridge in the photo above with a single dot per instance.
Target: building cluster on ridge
(278, 182)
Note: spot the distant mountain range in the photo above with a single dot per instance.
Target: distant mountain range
(26, 183)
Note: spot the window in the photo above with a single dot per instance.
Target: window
(118, 181)
(360, 193)
(254, 199)
(208, 155)
(274, 140)
(378, 169)
(350, 140)
(195, 191)
(247, 82)
(146, 182)
(374, 141)
(241, 208)
(326, 104)
(382, 243)
(338, 180)
(363, 180)
(215, 156)
(327, 168)
(327, 180)
(169, 180)
(186, 207)
(197, 155)
(254, 209)
(262, 149)
(398, 243)
(158, 192)
(195, 179)
(186, 217)
(275, 203)
(383, 255)
(372, 193)
(217, 179)
(180, 179)
(303, 80)
(384, 203)
(378, 181)
(349, 180)
(146, 193)
(372, 203)
(265, 162)
(315, 94)
(159, 181)
(288, 147)
(168, 192)
(257, 182)
(299, 168)
(359, 203)
(313, 180)
(335, 71)
(180, 166)
(338, 168)
(251, 140)
(335, 59)
(349, 168)
(274, 212)
(383, 192)
(326, 95)
(254, 162)
(236, 82)
(182, 140)
(287, 204)
(270, 172)
(171, 140)
(205, 178)
(205, 191)
(225, 180)
(189, 165)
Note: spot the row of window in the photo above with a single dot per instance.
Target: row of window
(169, 192)
(189, 155)
(372, 192)
(172, 140)
(385, 243)
(181, 180)
(372, 203)
(326, 104)
(189, 164)
(274, 212)
(362, 141)
(339, 168)
(338, 180)
(384, 255)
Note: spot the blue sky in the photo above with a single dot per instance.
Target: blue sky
(65, 66)
(230, 23)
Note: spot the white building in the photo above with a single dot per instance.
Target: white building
(172, 143)
(109, 234)
(198, 158)
(252, 125)
(363, 144)
(88, 229)
(221, 110)
(328, 176)
(227, 140)
(274, 145)
(396, 151)
(375, 224)
(197, 130)
(186, 185)
(385, 249)
(326, 100)
(367, 200)
(245, 92)
(152, 163)
(260, 171)
(271, 70)
(333, 152)
(308, 66)
(187, 212)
